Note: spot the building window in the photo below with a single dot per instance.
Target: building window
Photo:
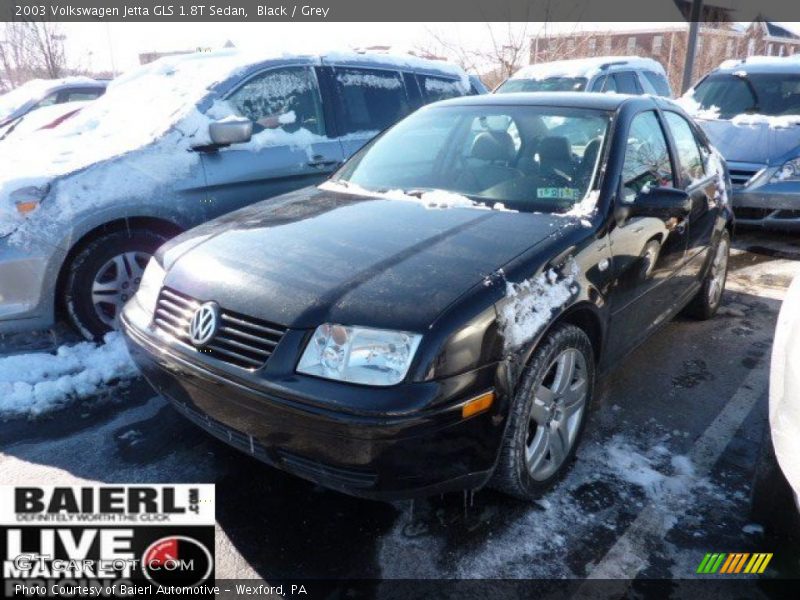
(712, 47)
(571, 44)
(751, 47)
(631, 44)
(769, 49)
(657, 41)
(729, 48)
(607, 45)
(780, 50)
(699, 48)
(592, 45)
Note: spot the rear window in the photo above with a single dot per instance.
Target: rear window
(764, 93)
(548, 84)
(438, 88)
(370, 99)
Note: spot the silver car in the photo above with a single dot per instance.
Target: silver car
(172, 145)
(750, 110)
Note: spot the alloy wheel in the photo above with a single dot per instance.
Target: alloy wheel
(557, 410)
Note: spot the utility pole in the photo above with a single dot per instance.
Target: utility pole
(691, 46)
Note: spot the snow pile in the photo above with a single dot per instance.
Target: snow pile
(693, 107)
(37, 383)
(585, 209)
(715, 162)
(530, 304)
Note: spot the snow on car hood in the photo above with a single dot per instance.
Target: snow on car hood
(147, 116)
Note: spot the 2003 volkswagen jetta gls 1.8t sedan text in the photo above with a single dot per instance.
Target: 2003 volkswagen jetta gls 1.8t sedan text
(433, 317)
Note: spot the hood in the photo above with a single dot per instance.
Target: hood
(753, 140)
(317, 256)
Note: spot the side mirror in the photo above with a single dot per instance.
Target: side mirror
(661, 203)
(231, 130)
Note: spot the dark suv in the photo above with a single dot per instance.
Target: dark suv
(434, 316)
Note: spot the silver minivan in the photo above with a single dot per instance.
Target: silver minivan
(174, 144)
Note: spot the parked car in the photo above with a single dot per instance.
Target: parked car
(433, 317)
(171, 145)
(38, 93)
(750, 109)
(621, 74)
(41, 119)
(784, 389)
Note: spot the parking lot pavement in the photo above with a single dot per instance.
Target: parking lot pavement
(675, 463)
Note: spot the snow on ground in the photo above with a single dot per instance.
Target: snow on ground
(36, 383)
(529, 304)
(618, 475)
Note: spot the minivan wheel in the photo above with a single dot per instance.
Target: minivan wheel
(104, 275)
(547, 414)
(708, 300)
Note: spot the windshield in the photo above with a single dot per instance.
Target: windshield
(771, 94)
(529, 158)
(548, 84)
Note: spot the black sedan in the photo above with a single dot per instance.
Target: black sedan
(434, 316)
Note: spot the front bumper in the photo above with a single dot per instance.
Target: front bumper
(26, 299)
(759, 203)
(381, 456)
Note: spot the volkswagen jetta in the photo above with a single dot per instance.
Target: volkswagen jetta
(434, 316)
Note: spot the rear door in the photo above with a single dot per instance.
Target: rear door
(290, 148)
(367, 101)
(627, 83)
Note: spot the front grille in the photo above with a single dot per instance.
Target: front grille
(240, 340)
(740, 177)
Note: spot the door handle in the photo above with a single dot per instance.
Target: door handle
(320, 162)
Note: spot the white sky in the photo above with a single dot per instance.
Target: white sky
(90, 45)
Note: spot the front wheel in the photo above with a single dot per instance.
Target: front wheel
(547, 414)
(707, 301)
(104, 275)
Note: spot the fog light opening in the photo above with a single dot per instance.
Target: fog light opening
(477, 405)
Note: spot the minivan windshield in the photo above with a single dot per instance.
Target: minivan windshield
(529, 158)
(771, 94)
(547, 84)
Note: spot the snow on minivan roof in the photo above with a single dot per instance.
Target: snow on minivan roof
(584, 67)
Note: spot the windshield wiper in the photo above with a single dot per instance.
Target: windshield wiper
(757, 105)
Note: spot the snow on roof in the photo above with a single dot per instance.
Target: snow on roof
(583, 67)
(761, 61)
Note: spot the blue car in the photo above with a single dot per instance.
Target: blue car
(750, 110)
(174, 144)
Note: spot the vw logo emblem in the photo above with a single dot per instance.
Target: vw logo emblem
(204, 322)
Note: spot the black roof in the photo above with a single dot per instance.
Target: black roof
(778, 31)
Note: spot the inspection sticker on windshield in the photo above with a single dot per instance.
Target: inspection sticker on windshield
(107, 540)
(555, 193)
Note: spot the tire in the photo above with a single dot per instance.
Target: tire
(534, 430)
(103, 275)
(708, 300)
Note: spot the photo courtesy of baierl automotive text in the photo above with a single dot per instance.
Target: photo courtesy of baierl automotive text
(376, 300)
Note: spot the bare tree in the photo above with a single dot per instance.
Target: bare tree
(31, 49)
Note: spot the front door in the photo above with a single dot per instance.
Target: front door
(289, 149)
(647, 252)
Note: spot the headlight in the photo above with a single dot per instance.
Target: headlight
(790, 171)
(27, 199)
(150, 286)
(359, 354)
